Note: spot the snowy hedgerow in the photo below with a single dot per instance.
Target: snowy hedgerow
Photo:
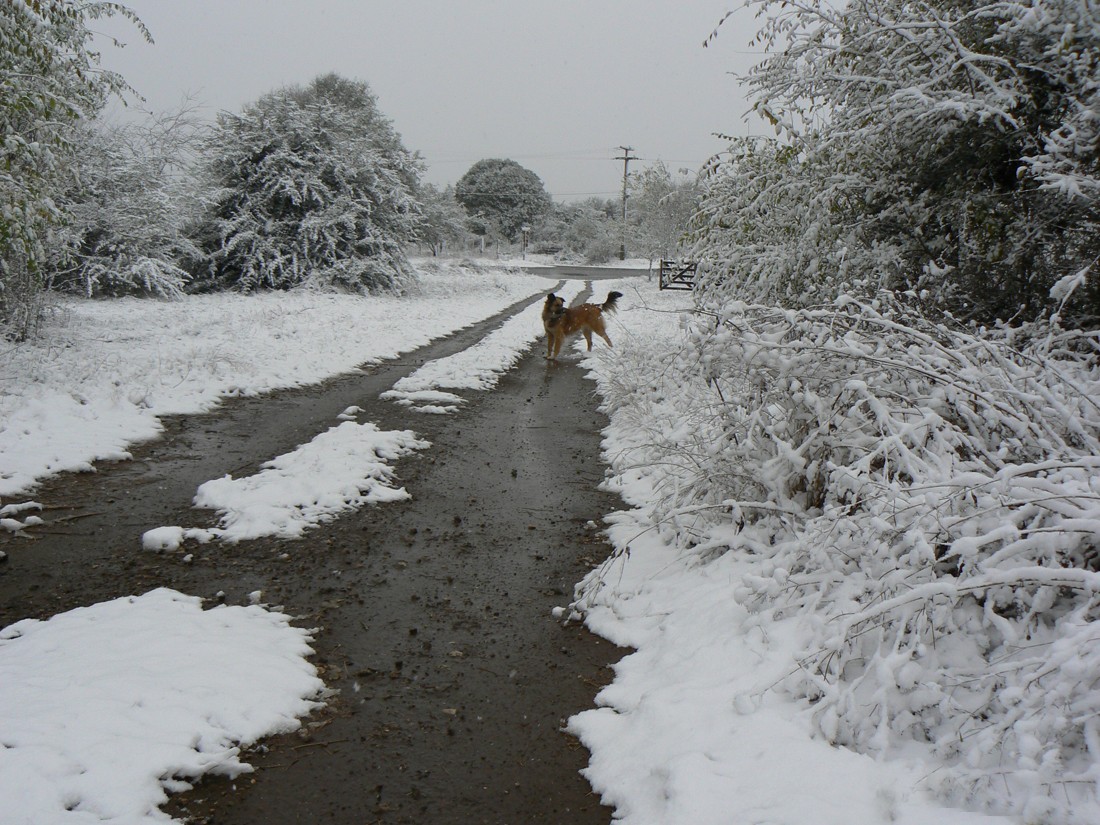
(766, 230)
(1063, 37)
(924, 500)
(951, 148)
(312, 185)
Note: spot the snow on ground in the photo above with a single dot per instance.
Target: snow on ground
(105, 709)
(103, 372)
(688, 732)
(341, 469)
(347, 466)
(478, 367)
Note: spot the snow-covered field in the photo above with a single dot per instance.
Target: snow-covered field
(690, 732)
(103, 372)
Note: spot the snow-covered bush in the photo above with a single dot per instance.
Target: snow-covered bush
(942, 148)
(925, 500)
(129, 210)
(766, 231)
(911, 500)
(312, 186)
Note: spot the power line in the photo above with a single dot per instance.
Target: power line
(581, 194)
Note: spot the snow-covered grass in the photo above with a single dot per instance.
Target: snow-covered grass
(106, 709)
(103, 372)
(874, 534)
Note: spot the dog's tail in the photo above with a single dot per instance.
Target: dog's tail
(611, 303)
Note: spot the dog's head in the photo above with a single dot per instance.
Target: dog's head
(554, 307)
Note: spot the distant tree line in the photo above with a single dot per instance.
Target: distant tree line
(500, 198)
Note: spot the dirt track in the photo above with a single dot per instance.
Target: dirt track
(433, 614)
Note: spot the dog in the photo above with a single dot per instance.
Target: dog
(560, 321)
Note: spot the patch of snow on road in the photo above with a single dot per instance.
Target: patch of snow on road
(105, 709)
(340, 470)
(14, 525)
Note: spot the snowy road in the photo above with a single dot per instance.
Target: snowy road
(434, 613)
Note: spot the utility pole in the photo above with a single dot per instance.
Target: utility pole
(625, 158)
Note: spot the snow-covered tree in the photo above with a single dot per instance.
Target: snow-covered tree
(129, 209)
(504, 194)
(50, 80)
(443, 221)
(311, 185)
(661, 207)
(951, 141)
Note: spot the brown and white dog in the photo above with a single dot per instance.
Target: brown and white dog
(560, 321)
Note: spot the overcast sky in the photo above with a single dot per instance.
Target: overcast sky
(557, 85)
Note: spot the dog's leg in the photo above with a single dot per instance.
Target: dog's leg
(588, 337)
(603, 335)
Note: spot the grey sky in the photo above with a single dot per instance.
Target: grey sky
(556, 85)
